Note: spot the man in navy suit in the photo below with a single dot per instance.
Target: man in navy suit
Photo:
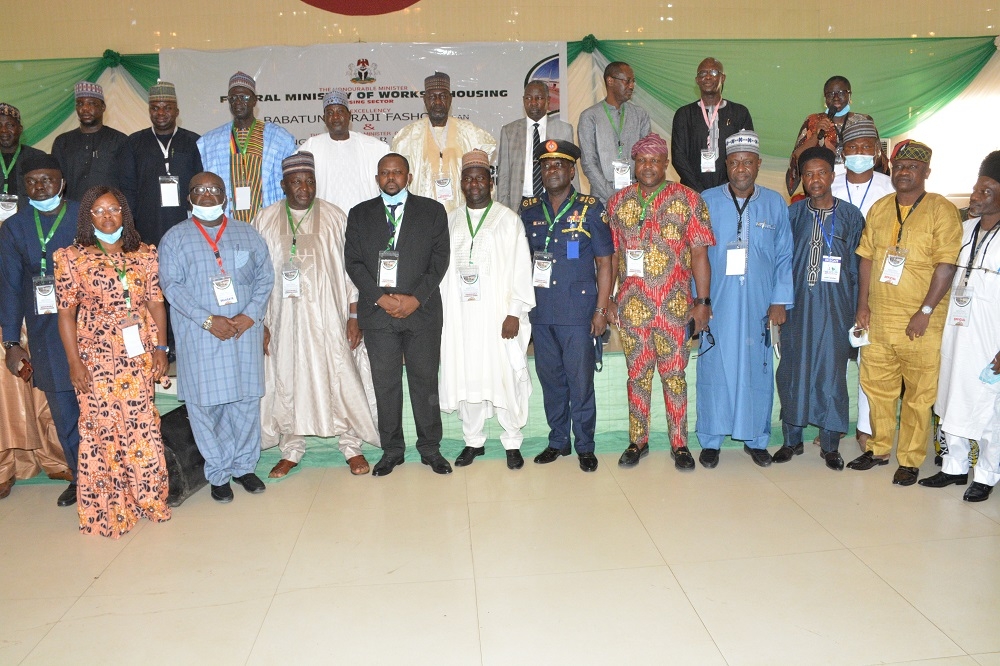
(396, 252)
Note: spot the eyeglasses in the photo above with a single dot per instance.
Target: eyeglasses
(703, 73)
(842, 94)
(627, 82)
(207, 189)
(240, 98)
(709, 337)
(101, 211)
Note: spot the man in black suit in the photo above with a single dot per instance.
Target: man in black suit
(396, 253)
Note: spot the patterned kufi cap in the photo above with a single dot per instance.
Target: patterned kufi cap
(744, 141)
(475, 158)
(912, 150)
(162, 91)
(437, 81)
(335, 97)
(88, 89)
(8, 110)
(862, 129)
(302, 161)
(651, 144)
(242, 80)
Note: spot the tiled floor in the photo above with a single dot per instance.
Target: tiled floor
(793, 564)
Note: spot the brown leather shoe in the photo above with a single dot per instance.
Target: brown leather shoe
(281, 469)
(5, 487)
(358, 465)
(64, 475)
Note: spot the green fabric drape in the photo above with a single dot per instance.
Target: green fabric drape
(899, 82)
(43, 89)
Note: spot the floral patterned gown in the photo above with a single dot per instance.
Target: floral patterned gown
(122, 473)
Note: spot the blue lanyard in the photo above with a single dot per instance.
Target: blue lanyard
(865, 196)
(827, 237)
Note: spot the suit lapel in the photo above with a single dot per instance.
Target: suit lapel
(517, 162)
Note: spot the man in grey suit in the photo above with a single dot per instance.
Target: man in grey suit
(396, 251)
(519, 175)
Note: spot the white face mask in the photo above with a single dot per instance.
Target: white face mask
(50, 204)
(207, 213)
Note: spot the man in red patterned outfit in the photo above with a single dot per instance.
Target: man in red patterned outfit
(661, 232)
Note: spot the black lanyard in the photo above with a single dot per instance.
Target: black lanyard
(739, 210)
(987, 239)
(899, 214)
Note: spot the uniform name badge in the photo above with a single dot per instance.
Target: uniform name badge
(708, 158)
(225, 290)
(388, 265)
(8, 206)
(169, 188)
(960, 308)
(129, 327)
(542, 274)
(830, 269)
(470, 283)
(291, 281)
(45, 294)
(442, 188)
(892, 269)
(736, 258)
(623, 173)
(634, 263)
(242, 198)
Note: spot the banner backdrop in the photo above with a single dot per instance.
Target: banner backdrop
(385, 82)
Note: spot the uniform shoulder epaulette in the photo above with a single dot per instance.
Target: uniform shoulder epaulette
(529, 202)
(587, 199)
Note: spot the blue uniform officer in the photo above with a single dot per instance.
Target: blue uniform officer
(571, 250)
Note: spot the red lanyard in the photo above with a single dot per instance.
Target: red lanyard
(214, 244)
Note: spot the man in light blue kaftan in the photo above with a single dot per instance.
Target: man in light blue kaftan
(751, 288)
(220, 347)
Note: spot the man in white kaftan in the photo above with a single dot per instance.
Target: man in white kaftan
(435, 145)
(968, 397)
(487, 294)
(317, 375)
(346, 161)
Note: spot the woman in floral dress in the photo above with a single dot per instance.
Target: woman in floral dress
(110, 317)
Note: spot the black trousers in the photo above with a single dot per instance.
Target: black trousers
(421, 347)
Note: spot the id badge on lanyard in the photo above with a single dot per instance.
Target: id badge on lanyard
(243, 198)
(736, 258)
(542, 273)
(291, 281)
(225, 290)
(960, 308)
(45, 294)
(892, 269)
(634, 265)
(8, 206)
(129, 326)
(471, 286)
(708, 158)
(169, 192)
(443, 190)
(388, 265)
(830, 269)
(623, 173)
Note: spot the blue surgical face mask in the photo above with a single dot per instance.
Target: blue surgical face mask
(859, 163)
(208, 213)
(843, 112)
(50, 204)
(397, 198)
(108, 238)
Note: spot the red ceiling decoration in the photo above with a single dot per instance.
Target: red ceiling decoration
(361, 7)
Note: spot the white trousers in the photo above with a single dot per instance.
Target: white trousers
(958, 459)
(293, 447)
(474, 415)
(864, 411)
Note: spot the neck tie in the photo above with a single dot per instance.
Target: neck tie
(536, 167)
(392, 211)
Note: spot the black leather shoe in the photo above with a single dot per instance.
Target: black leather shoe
(632, 455)
(68, 496)
(468, 454)
(977, 492)
(514, 459)
(867, 460)
(905, 476)
(222, 494)
(833, 460)
(709, 458)
(786, 453)
(683, 460)
(760, 457)
(437, 464)
(940, 480)
(588, 462)
(385, 466)
(550, 454)
(251, 483)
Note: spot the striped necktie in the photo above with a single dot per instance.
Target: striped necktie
(536, 167)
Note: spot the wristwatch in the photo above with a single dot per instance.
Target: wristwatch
(11, 343)
(163, 348)
(926, 309)
(208, 323)
(703, 301)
